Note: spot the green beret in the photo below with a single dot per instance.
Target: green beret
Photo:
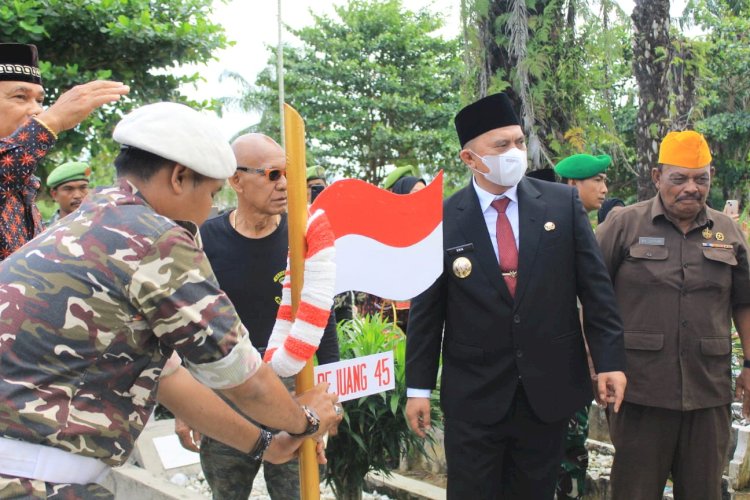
(582, 166)
(67, 172)
(398, 173)
(316, 173)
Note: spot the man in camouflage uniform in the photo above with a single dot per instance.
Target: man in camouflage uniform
(91, 310)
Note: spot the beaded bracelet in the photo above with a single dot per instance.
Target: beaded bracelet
(264, 440)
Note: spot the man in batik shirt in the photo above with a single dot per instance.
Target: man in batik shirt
(27, 132)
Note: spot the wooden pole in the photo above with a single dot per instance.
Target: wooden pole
(294, 131)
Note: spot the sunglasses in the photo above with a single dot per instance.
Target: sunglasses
(273, 174)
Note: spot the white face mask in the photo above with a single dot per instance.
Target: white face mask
(506, 169)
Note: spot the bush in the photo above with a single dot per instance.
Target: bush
(374, 433)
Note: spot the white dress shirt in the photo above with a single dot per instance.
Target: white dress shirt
(490, 219)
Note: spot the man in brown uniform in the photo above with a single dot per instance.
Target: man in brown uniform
(680, 272)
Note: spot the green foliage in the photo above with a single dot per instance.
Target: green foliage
(374, 433)
(578, 60)
(724, 90)
(138, 42)
(375, 86)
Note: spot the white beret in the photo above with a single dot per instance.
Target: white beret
(181, 134)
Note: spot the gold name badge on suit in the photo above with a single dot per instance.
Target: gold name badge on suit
(462, 267)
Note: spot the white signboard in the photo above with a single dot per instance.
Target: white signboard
(172, 454)
(358, 377)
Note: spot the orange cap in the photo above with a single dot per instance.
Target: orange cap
(687, 149)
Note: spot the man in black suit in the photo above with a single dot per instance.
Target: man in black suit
(514, 363)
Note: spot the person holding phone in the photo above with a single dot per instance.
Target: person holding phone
(732, 209)
(316, 182)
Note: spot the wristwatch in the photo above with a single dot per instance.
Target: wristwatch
(313, 422)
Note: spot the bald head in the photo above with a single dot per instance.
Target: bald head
(258, 151)
(260, 188)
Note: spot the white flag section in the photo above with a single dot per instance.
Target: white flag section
(359, 377)
(392, 272)
(387, 244)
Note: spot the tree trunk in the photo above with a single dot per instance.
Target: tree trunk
(683, 85)
(651, 54)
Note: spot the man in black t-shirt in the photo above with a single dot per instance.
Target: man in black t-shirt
(247, 248)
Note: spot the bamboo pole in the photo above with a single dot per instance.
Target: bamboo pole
(297, 200)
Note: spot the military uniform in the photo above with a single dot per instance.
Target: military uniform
(20, 154)
(571, 482)
(90, 311)
(676, 293)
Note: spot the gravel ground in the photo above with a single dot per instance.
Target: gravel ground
(199, 484)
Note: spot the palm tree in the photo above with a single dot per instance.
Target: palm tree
(651, 63)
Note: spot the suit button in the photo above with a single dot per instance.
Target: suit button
(516, 319)
(684, 323)
(519, 353)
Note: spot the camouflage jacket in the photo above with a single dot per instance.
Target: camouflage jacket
(89, 312)
(20, 153)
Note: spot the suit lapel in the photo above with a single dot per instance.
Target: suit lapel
(531, 211)
(471, 224)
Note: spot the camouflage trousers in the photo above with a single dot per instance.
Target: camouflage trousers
(17, 488)
(231, 473)
(571, 480)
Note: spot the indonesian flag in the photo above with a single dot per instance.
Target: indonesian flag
(387, 244)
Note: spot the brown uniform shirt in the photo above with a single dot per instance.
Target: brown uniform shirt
(676, 292)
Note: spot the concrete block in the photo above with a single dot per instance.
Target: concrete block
(739, 465)
(412, 488)
(598, 428)
(128, 482)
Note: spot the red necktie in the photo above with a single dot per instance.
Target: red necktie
(506, 245)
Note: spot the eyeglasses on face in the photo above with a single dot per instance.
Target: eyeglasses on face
(273, 174)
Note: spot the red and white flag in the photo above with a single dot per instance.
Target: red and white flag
(387, 244)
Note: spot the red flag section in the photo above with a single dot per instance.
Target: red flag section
(386, 244)
(356, 207)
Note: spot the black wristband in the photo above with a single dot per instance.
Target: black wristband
(746, 363)
(264, 440)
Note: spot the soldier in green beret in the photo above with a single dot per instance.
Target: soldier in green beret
(586, 173)
(316, 176)
(68, 185)
(400, 173)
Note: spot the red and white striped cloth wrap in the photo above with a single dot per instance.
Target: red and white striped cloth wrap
(293, 343)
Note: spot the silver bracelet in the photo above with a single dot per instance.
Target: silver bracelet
(264, 441)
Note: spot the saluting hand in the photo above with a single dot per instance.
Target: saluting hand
(73, 106)
(611, 388)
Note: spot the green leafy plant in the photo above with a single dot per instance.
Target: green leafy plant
(374, 433)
